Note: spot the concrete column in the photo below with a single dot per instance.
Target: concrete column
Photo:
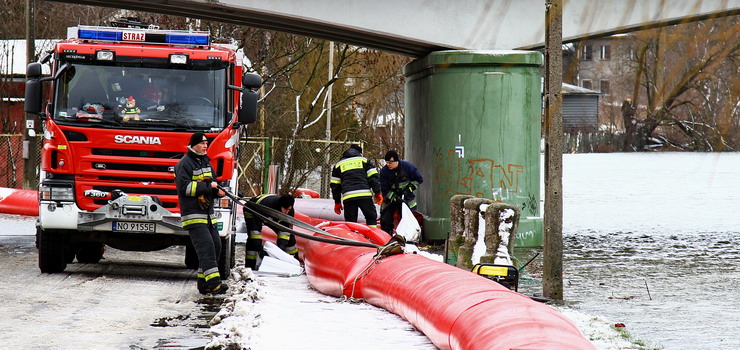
(457, 226)
(470, 234)
(502, 222)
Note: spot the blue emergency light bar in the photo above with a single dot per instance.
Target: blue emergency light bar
(99, 35)
(174, 37)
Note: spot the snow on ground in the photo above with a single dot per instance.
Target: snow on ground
(270, 312)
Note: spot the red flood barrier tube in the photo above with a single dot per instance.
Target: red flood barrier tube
(454, 308)
(19, 202)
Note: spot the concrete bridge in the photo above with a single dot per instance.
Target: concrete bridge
(417, 27)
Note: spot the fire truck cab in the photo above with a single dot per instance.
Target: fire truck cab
(121, 105)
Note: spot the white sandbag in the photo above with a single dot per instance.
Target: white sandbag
(272, 250)
(408, 227)
(274, 266)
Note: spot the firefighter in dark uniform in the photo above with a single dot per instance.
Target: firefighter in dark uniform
(398, 181)
(196, 190)
(354, 182)
(285, 240)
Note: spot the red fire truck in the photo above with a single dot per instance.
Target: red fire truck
(121, 105)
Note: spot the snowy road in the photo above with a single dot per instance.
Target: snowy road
(130, 300)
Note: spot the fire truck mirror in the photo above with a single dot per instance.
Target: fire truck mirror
(251, 80)
(32, 104)
(248, 109)
(33, 70)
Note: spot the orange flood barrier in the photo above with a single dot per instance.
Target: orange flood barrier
(454, 308)
(20, 202)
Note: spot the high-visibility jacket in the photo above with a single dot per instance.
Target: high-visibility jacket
(193, 176)
(354, 176)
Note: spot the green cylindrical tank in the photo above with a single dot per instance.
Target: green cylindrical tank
(473, 127)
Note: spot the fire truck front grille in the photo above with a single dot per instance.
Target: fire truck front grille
(134, 167)
(136, 179)
(135, 153)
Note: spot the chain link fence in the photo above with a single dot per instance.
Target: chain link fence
(11, 166)
(267, 165)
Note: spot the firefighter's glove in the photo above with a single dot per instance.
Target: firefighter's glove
(203, 202)
(412, 186)
(338, 208)
(394, 195)
(378, 198)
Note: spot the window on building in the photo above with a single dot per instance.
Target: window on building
(606, 52)
(586, 84)
(604, 87)
(586, 53)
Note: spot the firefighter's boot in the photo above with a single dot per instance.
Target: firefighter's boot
(210, 283)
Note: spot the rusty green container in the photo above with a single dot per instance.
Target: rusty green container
(473, 127)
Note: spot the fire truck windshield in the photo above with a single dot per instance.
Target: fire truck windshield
(141, 97)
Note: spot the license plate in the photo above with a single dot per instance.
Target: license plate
(124, 226)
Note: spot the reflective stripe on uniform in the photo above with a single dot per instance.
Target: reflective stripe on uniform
(261, 197)
(196, 219)
(190, 188)
(357, 193)
(335, 180)
(372, 171)
(255, 235)
(211, 274)
(202, 174)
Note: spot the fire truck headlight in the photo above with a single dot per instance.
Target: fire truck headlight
(104, 55)
(57, 193)
(62, 194)
(178, 58)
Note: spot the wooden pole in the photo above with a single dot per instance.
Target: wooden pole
(32, 127)
(552, 279)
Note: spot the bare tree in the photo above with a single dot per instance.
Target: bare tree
(687, 77)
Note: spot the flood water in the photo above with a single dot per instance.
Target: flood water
(651, 241)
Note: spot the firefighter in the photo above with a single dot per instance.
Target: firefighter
(354, 182)
(285, 240)
(398, 181)
(196, 190)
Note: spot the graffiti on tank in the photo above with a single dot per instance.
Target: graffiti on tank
(482, 177)
(524, 237)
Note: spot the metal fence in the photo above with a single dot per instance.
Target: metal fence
(11, 166)
(270, 164)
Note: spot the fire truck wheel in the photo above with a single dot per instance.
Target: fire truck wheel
(52, 244)
(90, 253)
(191, 257)
(70, 253)
(226, 261)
